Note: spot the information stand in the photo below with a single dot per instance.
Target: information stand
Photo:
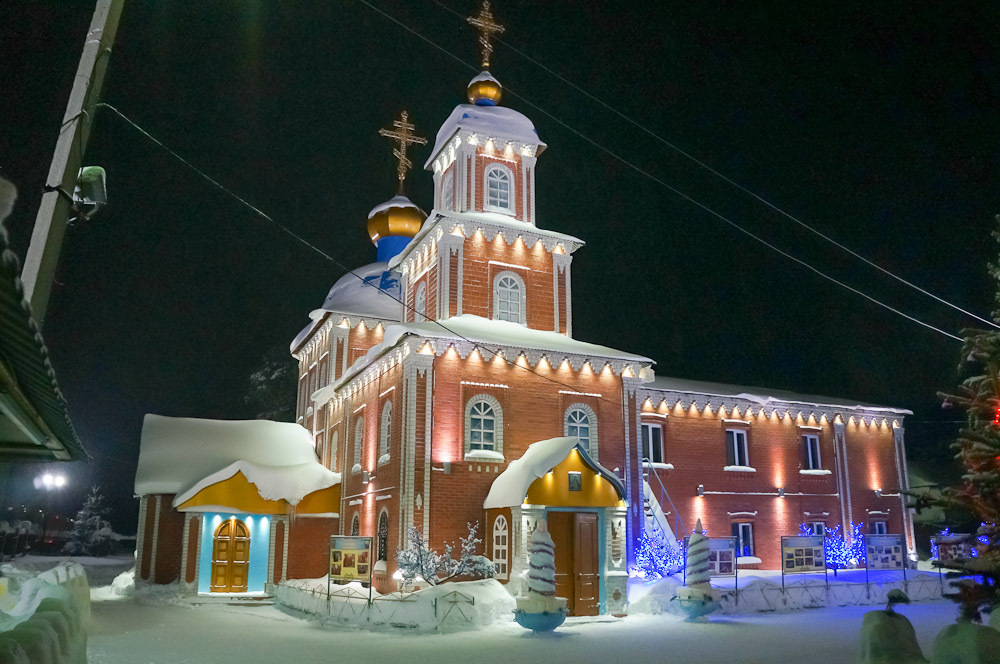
(950, 547)
(802, 555)
(884, 552)
(350, 560)
(721, 559)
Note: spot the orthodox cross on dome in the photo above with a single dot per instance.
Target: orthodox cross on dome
(403, 134)
(487, 28)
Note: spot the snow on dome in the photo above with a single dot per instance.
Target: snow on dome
(510, 486)
(484, 76)
(377, 293)
(177, 454)
(494, 121)
(394, 202)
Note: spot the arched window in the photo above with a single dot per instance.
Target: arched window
(581, 422)
(484, 427)
(355, 525)
(508, 298)
(319, 447)
(383, 536)
(334, 441)
(359, 434)
(500, 549)
(499, 189)
(420, 303)
(385, 433)
(448, 191)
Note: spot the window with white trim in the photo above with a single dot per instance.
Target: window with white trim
(448, 191)
(420, 303)
(818, 528)
(383, 536)
(743, 532)
(500, 546)
(483, 426)
(737, 453)
(385, 432)
(580, 422)
(498, 192)
(509, 298)
(334, 452)
(652, 442)
(810, 451)
(359, 434)
(880, 528)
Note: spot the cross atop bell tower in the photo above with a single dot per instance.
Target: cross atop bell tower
(487, 28)
(404, 136)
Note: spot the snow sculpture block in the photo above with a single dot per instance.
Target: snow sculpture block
(540, 610)
(697, 598)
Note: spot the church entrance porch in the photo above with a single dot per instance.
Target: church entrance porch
(576, 536)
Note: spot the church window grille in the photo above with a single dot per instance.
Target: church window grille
(385, 433)
(334, 441)
(383, 536)
(500, 546)
(499, 184)
(580, 422)
(420, 306)
(509, 298)
(359, 434)
(355, 526)
(448, 191)
(483, 425)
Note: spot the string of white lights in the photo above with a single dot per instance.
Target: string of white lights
(669, 187)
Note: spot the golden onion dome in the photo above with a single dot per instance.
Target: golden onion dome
(484, 90)
(398, 217)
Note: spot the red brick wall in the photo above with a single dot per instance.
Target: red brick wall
(478, 275)
(872, 465)
(308, 546)
(484, 159)
(148, 538)
(169, 539)
(194, 528)
(533, 411)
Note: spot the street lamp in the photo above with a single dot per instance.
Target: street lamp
(49, 482)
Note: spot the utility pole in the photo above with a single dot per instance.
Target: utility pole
(53, 213)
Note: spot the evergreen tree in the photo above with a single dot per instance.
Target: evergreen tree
(271, 388)
(91, 533)
(978, 450)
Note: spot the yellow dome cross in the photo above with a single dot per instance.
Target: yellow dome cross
(403, 134)
(487, 28)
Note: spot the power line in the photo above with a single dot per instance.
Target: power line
(256, 210)
(663, 184)
(723, 177)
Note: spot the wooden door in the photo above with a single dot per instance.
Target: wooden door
(230, 557)
(587, 581)
(561, 529)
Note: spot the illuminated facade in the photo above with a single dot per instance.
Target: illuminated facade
(426, 397)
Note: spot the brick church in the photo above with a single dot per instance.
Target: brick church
(442, 385)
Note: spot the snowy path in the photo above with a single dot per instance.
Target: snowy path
(124, 631)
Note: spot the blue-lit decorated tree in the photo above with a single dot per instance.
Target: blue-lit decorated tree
(655, 558)
(839, 552)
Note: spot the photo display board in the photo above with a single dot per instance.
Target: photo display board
(721, 555)
(802, 554)
(351, 558)
(951, 547)
(885, 552)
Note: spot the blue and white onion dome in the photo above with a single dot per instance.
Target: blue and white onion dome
(391, 225)
(484, 90)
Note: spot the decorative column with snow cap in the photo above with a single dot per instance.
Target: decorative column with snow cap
(697, 598)
(540, 610)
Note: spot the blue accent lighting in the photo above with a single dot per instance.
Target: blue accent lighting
(260, 540)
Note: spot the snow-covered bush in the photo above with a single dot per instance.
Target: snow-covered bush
(655, 558)
(419, 561)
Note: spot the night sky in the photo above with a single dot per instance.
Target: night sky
(877, 123)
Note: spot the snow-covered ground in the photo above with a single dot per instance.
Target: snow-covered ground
(125, 631)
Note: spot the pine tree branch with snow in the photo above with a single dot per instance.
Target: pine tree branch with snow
(417, 560)
(91, 532)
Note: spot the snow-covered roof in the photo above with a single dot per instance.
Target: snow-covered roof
(289, 483)
(493, 220)
(762, 396)
(510, 486)
(492, 121)
(371, 291)
(179, 454)
(486, 332)
(394, 202)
